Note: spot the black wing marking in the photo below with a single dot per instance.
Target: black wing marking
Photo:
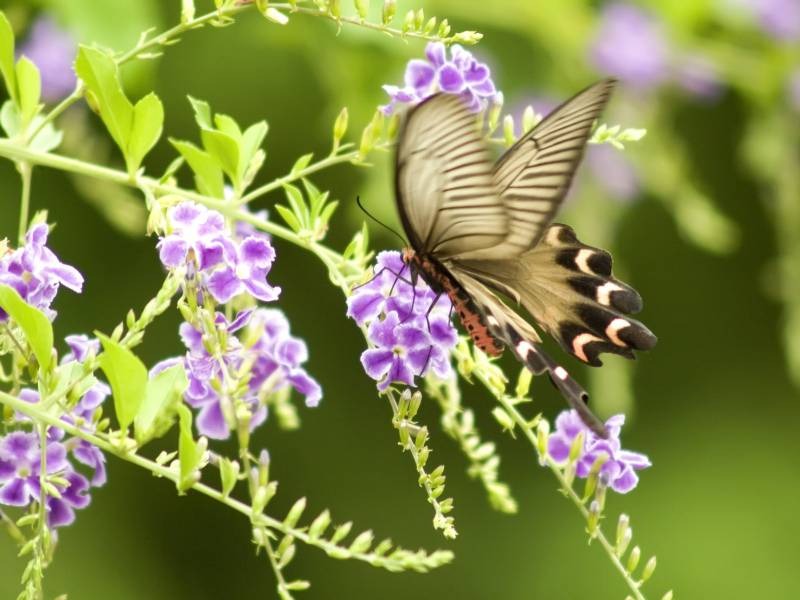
(569, 290)
(513, 331)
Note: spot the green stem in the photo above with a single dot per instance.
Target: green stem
(519, 419)
(25, 171)
(35, 412)
(12, 529)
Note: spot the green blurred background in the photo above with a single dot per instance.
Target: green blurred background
(709, 235)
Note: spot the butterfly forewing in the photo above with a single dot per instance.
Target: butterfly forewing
(533, 176)
(445, 188)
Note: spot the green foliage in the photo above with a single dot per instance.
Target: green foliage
(191, 452)
(135, 129)
(226, 150)
(127, 376)
(162, 395)
(308, 218)
(33, 323)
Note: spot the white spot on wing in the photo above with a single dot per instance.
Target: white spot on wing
(552, 236)
(582, 260)
(561, 373)
(604, 292)
(523, 348)
(580, 341)
(614, 328)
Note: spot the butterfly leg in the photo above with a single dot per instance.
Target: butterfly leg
(428, 321)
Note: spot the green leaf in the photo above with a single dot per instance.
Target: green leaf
(7, 56)
(289, 217)
(34, 324)
(296, 202)
(202, 113)
(162, 394)
(127, 376)
(252, 139)
(99, 72)
(302, 162)
(46, 140)
(227, 125)
(30, 88)
(148, 121)
(224, 149)
(190, 452)
(207, 173)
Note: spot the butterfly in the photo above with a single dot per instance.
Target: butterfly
(480, 231)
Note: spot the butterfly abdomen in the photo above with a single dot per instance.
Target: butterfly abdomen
(472, 318)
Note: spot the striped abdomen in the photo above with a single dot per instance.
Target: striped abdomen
(473, 320)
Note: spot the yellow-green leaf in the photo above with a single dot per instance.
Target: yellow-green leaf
(127, 376)
(30, 88)
(148, 121)
(34, 324)
(157, 411)
(7, 56)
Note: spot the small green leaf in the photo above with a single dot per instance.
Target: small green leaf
(190, 452)
(7, 56)
(297, 204)
(162, 393)
(34, 324)
(252, 139)
(187, 10)
(224, 149)
(302, 162)
(289, 217)
(127, 376)
(207, 172)
(148, 121)
(227, 125)
(99, 72)
(202, 112)
(30, 88)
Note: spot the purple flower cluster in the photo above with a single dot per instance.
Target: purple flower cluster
(778, 18)
(409, 333)
(52, 49)
(36, 273)
(20, 470)
(619, 470)
(632, 45)
(273, 359)
(20, 451)
(461, 74)
(200, 245)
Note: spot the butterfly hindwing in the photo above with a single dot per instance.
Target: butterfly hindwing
(570, 291)
(512, 331)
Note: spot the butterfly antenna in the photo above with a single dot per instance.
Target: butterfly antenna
(384, 225)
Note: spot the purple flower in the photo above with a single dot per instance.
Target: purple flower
(81, 346)
(779, 18)
(246, 271)
(619, 470)
(408, 333)
(53, 50)
(614, 171)
(461, 74)
(630, 44)
(198, 235)
(699, 76)
(20, 470)
(36, 272)
(273, 358)
(200, 244)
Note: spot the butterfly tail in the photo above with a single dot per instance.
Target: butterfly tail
(536, 359)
